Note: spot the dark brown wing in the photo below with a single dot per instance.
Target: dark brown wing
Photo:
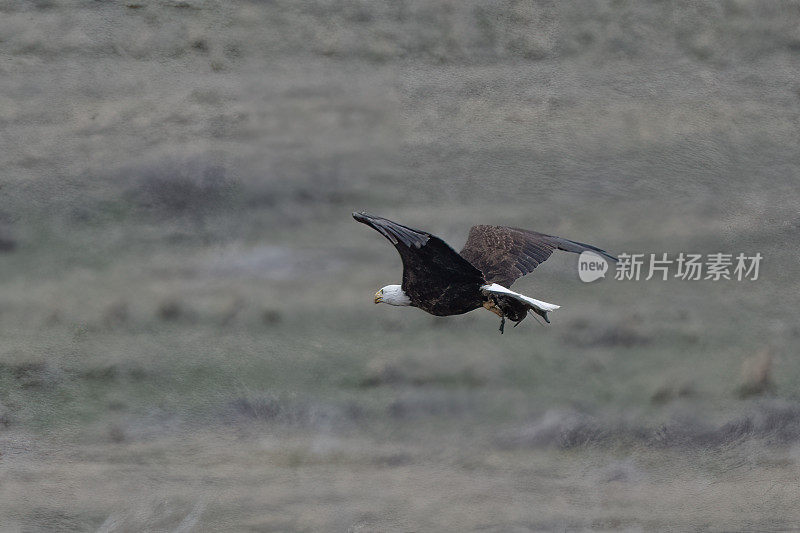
(430, 266)
(504, 254)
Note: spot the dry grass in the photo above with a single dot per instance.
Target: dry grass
(757, 374)
(268, 482)
(188, 335)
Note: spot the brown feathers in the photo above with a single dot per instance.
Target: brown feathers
(504, 254)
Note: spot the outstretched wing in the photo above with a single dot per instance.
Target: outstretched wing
(504, 254)
(429, 264)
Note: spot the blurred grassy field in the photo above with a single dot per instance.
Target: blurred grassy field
(189, 339)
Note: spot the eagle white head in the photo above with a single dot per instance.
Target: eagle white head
(392, 295)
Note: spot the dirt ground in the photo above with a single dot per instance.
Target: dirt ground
(189, 339)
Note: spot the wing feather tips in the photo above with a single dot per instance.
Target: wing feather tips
(394, 232)
(361, 216)
(581, 247)
(543, 242)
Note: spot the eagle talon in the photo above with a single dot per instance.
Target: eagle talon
(502, 324)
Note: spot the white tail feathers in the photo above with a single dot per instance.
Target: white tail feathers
(494, 288)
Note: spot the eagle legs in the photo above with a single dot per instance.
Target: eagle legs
(491, 305)
(506, 307)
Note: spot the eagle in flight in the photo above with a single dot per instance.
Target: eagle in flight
(443, 282)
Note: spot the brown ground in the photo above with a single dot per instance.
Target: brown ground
(189, 342)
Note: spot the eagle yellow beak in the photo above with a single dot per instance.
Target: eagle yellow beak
(379, 296)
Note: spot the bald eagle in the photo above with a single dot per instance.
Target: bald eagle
(443, 282)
